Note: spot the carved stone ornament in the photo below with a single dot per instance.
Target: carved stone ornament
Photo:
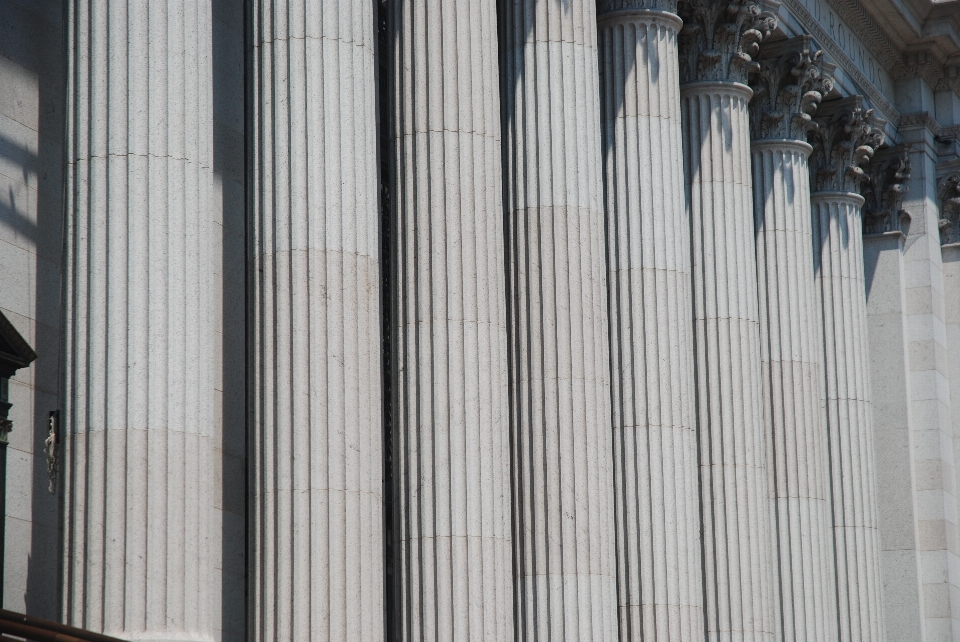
(788, 85)
(883, 191)
(720, 38)
(844, 138)
(608, 6)
(50, 447)
(948, 194)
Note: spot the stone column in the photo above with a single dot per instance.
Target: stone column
(651, 320)
(843, 140)
(557, 311)
(450, 409)
(315, 489)
(788, 88)
(138, 338)
(716, 45)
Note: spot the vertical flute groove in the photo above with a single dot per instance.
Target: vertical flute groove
(138, 349)
(838, 250)
(316, 499)
(738, 562)
(651, 321)
(451, 423)
(564, 557)
(798, 466)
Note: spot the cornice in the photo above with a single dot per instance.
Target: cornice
(868, 31)
(876, 98)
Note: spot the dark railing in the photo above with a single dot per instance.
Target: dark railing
(37, 629)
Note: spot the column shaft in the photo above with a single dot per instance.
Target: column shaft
(559, 370)
(651, 323)
(138, 340)
(316, 552)
(838, 260)
(737, 531)
(451, 445)
(797, 463)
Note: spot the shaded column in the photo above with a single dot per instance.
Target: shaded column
(651, 323)
(138, 337)
(843, 140)
(557, 311)
(315, 486)
(788, 88)
(451, 440)
(716, 45)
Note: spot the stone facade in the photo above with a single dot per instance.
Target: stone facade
(441, 320)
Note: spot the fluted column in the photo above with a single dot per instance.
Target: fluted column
(451, 439)
(843, 141)
(651, 321)
(138, 339)
(557, 312)
(717, 42)
(788, 87)
(316, 510)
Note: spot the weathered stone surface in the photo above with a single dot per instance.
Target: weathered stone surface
(557, 301)
(138, 338)
(651, 319)
(316, 485)
(453, 572)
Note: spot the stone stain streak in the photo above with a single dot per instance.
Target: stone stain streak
(316, 474)
(138, 349)
(450, 414)
(651, 322)
(563, 498)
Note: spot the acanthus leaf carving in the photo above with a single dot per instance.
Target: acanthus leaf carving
(720, 39)
(884, 189)
(788, 85)
(844, 136)
(948, 195)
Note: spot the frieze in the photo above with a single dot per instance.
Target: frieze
(719, 39)
(788, 85)
(883, 190)
(844, 138)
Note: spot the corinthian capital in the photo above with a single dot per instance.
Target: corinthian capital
(788, 85)
(609, 6)
(883, 190)
(844, 137)
(948, 195)
(720, 38)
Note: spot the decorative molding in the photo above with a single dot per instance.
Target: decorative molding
(948, 197)
(868, 31)
(942, 74)
(844, 138)
(883, 191)
(787, 89)
(921, 119)
(51, 446)
(719, 40)
(863, 84)
(607, 6)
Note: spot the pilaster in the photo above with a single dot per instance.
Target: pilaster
(450, 407)
(564, 537)
(648, 262)
(844, 140)
(717, 43)
(316, 549)
(788, 86)
(138, 338)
